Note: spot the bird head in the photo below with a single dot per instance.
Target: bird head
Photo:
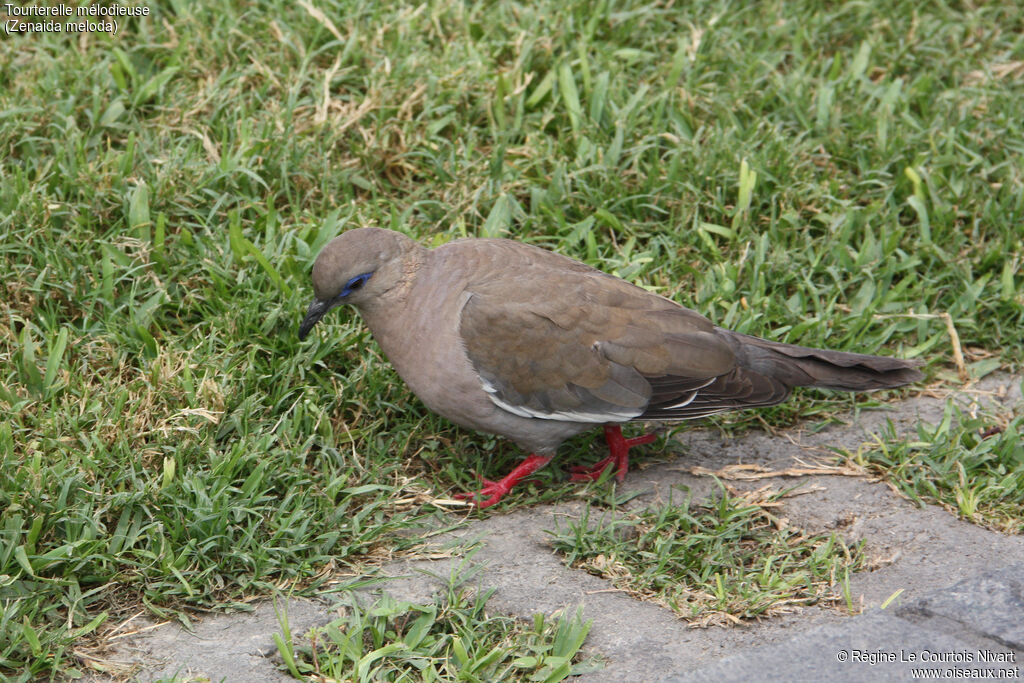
(356, 267)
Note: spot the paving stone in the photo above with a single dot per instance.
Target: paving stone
(991, 606)
(879, 646)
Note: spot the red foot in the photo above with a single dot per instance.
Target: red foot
(497, 489)
(619, 447)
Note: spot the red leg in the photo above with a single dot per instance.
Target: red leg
(619, 447)
(497, 489)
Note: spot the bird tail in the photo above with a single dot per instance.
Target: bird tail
(801, 366)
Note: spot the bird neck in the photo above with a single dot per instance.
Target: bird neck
(401, 272)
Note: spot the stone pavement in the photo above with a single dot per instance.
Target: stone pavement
(973, 629)
(960, 612)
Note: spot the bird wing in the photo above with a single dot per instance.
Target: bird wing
(577, 344)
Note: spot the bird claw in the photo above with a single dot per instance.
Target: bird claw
(581, 473)
(497, 489)
(493, 489)
(619, 458)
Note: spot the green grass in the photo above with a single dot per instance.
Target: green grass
(806, 175)
(715, 563)
(971, 463)
(451, 639)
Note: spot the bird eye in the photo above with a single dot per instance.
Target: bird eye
(355, 283)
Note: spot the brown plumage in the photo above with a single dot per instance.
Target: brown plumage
(511, 339)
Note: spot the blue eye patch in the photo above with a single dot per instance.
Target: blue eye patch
(355, 283)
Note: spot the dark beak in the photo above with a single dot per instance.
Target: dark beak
(316, 311)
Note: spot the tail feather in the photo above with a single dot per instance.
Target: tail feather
(765, 373)
(801, 366)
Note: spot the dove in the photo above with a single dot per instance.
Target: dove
(508, 338)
